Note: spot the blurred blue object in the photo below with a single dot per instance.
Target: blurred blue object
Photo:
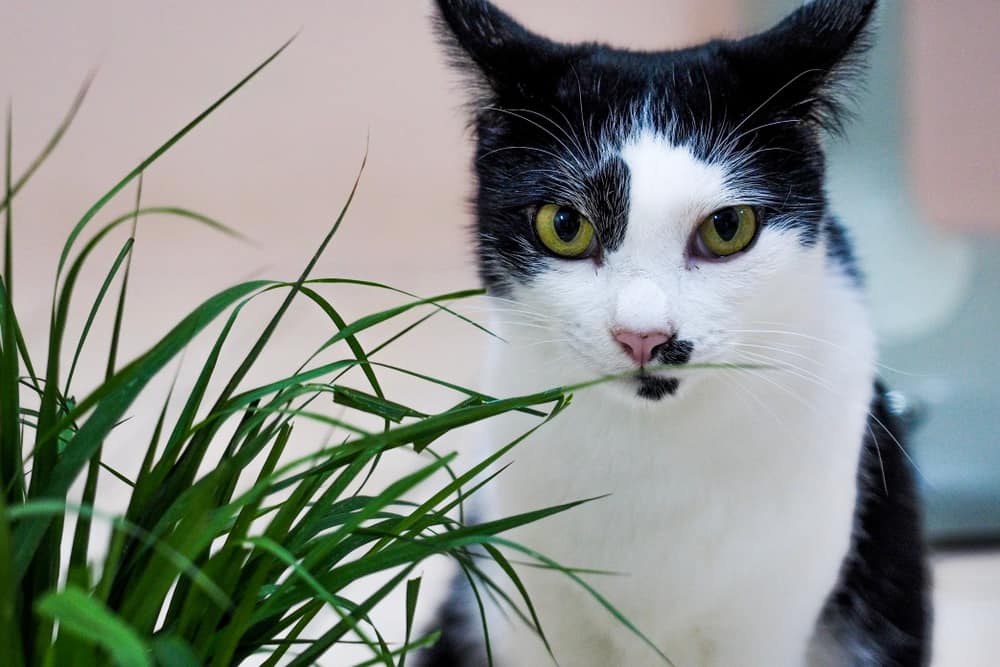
(956, 399)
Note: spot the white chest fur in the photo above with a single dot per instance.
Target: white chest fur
(730, 504)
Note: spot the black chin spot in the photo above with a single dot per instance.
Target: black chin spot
(654, 388)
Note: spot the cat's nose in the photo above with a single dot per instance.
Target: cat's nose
(640, 345)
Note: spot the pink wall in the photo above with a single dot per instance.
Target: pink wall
(954, 98)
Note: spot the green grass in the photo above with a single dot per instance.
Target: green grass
(229, 547)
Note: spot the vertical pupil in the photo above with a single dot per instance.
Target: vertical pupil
(566, 224)
(727, 223)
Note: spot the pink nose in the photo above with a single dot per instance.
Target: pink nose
(640, 346)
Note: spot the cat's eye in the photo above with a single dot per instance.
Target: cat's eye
(727, 231)
(564, 230)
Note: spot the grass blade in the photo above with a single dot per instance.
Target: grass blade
(10, 636)
(112, 399)
(89, 620)
(50, 146)
(155, 155)
(412, 593)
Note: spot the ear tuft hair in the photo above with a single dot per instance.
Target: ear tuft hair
(815, 58)
(502, 56)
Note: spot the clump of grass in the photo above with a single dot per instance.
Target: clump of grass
(210, 568)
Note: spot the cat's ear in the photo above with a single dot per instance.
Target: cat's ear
(496, 50)
(810, 64)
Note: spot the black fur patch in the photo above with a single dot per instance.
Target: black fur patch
(654, 388)
(461, 643)
(879, 614)
(675, 352)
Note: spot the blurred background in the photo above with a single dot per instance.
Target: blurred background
(915, 181)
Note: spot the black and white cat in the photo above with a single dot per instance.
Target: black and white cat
(637, 209)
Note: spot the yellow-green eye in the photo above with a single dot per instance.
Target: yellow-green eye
(564, 231)
(727, 231)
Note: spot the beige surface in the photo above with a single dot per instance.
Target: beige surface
(277, 161)
(953, 108)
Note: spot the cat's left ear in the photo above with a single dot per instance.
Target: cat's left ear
(808, 65)
(498, 51)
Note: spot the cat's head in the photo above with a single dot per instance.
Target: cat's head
(639, 207)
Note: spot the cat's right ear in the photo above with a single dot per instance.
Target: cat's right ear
(496, 50)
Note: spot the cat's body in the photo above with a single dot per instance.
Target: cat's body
(757, 516)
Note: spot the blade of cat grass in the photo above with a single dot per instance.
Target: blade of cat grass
(224, 644)
(116, 543)
(405, 649)
(182, 565)
(11, 474)
(410, 551)
(368, 321)
(191, 522)
(355, 327)
(79, 613)
(22, 348)
(81, 533)
(481, 608)
(412, 594)
(190, 536)
(312, 522)
(200, 440)
(610, 608)
(10, 635)
(133, 216)
(111, 400)
(45, 445)
(508, 570)
(152, 483)
(399, 334)
(156, 154)
(498, 595)
(461, 495)
(187, 609)
(390, 288)
(455, 485)
(154, 440)
(292, 636)
(374, 405)
(45, 569)
(485, 398)
(329, 638)
(393, 491)
(50, 146)
(258, 569)
(352, 341)
(356, 349)
(321, 593)
(8, 252)
(268, 331)
(173, 652)
(12, 189)
(91, 316)
(403, 435)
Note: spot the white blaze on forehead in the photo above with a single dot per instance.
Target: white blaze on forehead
(670, 190)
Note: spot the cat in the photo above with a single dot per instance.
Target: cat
(664, 212)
